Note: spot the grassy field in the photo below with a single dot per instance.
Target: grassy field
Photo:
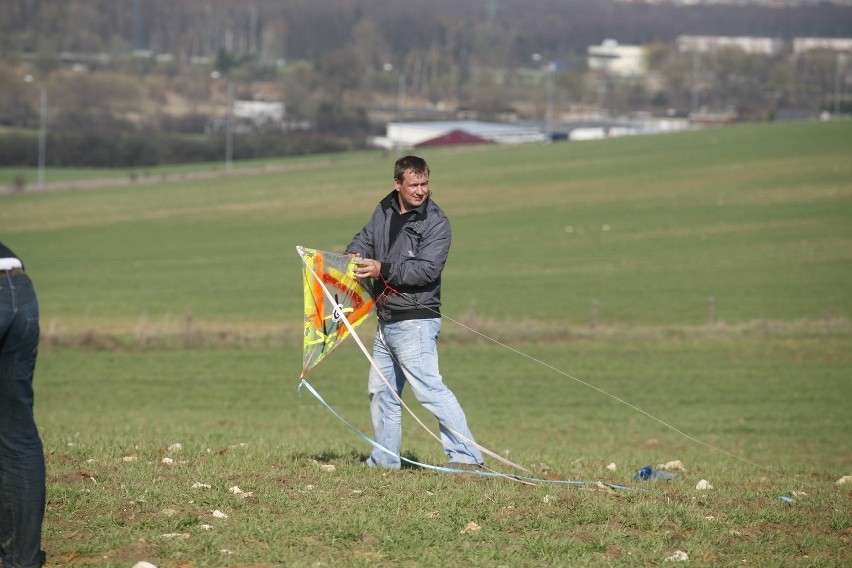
(703, 278)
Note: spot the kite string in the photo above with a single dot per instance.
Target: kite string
(593, 387)
(454, 432)
(481, 472)
(390, 289)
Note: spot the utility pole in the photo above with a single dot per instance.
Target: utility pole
(838, 80)
(229, 128)
(42, 129)
(42, 134)
(548, 115)
(696, 70)
(400, 97)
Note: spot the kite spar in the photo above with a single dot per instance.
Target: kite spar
(335, 303)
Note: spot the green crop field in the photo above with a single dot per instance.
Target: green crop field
(621, 303)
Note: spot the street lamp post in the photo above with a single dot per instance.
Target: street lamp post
(400, 91)
(550, 92)
(42, 134)
(400, 96)
(551, 71)
(229, 129)
(229, 123)
(696, 72)
(840, 62)
(42, 130)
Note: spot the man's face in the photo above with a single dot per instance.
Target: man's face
(413, 190)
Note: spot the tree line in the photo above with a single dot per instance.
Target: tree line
(500, 33)
(131, 79)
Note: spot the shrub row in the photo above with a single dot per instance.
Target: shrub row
(116, 149)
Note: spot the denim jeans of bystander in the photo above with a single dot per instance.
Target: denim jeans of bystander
(22, 468)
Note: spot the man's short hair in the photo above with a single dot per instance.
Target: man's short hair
(414, 164)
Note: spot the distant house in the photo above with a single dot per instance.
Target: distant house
(454, 132)
(748, 44)
(613, 58)
(252, 116)
(259, 113)
(804, 44)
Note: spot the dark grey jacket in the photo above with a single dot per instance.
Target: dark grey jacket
(412, 264)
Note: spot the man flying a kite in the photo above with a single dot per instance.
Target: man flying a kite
(401, 253)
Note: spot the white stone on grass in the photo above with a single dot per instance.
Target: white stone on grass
(471, 528)
(240, 493)
(678, 556)
(675, 465)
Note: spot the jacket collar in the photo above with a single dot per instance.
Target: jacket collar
(392, 201)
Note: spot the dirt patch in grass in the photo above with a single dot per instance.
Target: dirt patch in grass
(202, 336)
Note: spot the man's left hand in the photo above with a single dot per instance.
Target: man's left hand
(367, 268)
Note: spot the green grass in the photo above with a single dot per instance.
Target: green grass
(780, 402)
(171, 313)
(756, 217)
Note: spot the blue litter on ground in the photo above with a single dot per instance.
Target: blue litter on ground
(648, 473)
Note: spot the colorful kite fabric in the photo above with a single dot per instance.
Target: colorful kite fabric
(323, 328)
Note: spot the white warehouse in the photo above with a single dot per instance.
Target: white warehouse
(434, 133)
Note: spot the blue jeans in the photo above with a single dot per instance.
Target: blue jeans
(407, 352)
(22, 471)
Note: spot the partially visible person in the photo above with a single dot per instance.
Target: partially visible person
(22, 469)
(404, 247)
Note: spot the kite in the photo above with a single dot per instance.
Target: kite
(332, 294)
(335, 303)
